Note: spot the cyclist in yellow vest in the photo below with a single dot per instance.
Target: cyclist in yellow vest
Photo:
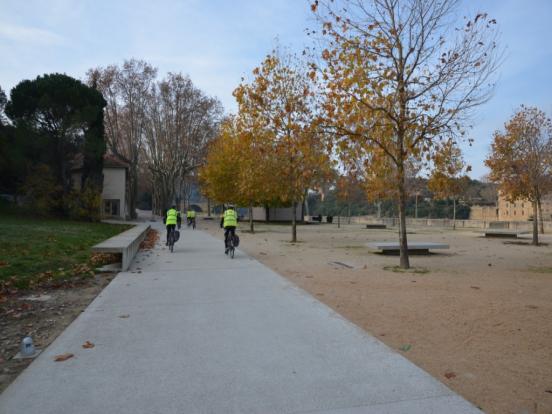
(172, 218)
(229, 222)
(190, 215)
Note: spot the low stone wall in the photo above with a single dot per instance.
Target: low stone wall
(127, 243)
(447, 223)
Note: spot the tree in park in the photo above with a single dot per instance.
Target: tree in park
(3, 102)
(126, 90)
(448, 178)
(237, 168)
(278, 105)
(180, 120)
(218, 175)
(521, 159)
(62, 119)
(399, 76)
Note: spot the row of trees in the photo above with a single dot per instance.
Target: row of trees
(422, 203)
(55, 125)
(271, 152)
(387, 92)
(160, 128)
(49, 127)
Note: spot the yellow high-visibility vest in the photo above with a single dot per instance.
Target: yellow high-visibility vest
(230, 218)
(172, 215)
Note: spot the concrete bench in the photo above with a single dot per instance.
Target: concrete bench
(413, 247)
(499, 225)
(376, 226)
(511, 234)
(127, 243)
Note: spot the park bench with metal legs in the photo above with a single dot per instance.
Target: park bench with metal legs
(413, 247)
(127, 244)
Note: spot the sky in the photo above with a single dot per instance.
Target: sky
(217, 42)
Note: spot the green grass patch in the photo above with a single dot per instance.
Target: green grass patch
(33, 249)
(398, 269)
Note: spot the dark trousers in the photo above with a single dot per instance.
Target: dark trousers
(230, 230)
(170, 227)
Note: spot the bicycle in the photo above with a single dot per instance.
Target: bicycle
(230, 247)
(232, 243)
(171, 240)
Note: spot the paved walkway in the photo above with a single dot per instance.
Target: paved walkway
(196, 332)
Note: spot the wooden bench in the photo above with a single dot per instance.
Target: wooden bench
(127, 244)
(413, 247)
(510, 234)
(376, 226)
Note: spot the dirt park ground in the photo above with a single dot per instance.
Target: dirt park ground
(478, 316)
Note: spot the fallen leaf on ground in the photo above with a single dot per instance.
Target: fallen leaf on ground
(63, 357)
(450, 375)
(475, 287)
(88, 345)
(124, 316)
(405, 348)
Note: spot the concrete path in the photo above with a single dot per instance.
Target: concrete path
(196, 332)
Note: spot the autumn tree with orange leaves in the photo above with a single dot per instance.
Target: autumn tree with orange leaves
(279, 106)
(521, 159)
(239, 168)
(398, 76)
(219, 173)
(448, 178)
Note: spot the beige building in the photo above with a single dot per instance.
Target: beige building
(522, 210)
(484, 213)
(115, 186)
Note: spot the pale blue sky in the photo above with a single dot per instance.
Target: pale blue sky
(217, 42)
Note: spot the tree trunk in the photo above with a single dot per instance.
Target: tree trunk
(454, 213)
(535, 225)
(541, 218)
(404, 261)
(349, 213)
(294, 224)
(133, 191)
(416, 207)
(208, 207)
(251, 228)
